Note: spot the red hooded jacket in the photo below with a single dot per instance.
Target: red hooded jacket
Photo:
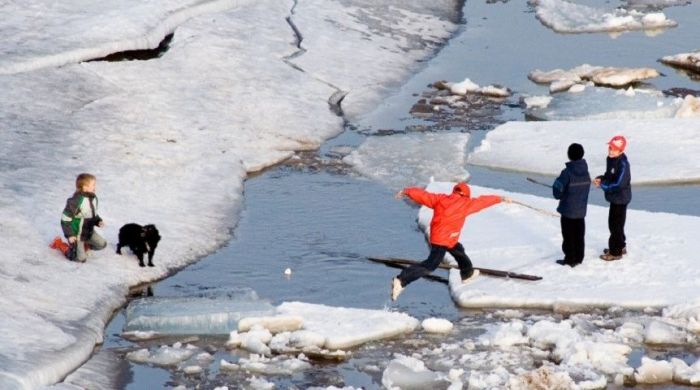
(450, 211)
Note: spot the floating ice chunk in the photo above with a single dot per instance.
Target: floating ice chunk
(468, 86)
(345, 327)
(618, 77)
(654, 371)
(574, 75)
(228, 366)
(686, 315)
(577, 88)
(566, 17)
(163, 356)
(690, 108)
(562, 80)
(512, 145)
(605, 103)
(301, 339)
(537, 101)
(656, 3)
(690, 61)
(437, 325)
(545, 377)
(404, 160)
(406, 372)
(658, 332)
(631, 332)
(260, 384)
(505, 335)
(463, 87)
(234, 340)
(193, 370)
(139, 335)
(274, 324)
(256, 340)
(278, 365)
(216, 315)
(684, 374)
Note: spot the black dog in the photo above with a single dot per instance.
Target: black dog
(140, 239)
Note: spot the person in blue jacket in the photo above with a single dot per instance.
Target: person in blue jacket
(618, 191)
(572, 188)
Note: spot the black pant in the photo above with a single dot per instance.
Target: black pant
(437, 253)
(573, 232)
(616, 224)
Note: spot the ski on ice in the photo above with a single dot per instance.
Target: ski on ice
(391, 261)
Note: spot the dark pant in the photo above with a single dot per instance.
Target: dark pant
(616, 224)
(437, 253)
(573, 232)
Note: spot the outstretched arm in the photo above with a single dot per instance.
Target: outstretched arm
(419, 196)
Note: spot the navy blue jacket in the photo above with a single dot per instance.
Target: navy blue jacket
(571, 188)
(616, 180)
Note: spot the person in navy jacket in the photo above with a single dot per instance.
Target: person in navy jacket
(572, 188)
(618, 191)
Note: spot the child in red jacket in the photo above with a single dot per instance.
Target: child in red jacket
(449, 214)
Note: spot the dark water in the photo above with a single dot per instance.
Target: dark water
(322, 224)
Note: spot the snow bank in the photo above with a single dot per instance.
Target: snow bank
(532, 242)
(566, 17)
(158, 132)
(423, 156)
(659, 151)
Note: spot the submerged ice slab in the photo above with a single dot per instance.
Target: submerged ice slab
(566, 17)
(604, 103)
(218, 315)
(345, 327)
(515, 238)
(403, 160)
(659, 151)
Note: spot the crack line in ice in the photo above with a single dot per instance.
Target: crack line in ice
(147, 41)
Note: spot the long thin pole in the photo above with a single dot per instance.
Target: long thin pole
(531, 180)
(541, 211)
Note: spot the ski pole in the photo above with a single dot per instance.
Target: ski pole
(531, 180)
(545, 212)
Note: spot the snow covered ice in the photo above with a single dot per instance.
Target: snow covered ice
(158, 132)
(532, 242)
(660, 150)
(568, 17)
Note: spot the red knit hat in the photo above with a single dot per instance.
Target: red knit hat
(462, 188)
(618, 143)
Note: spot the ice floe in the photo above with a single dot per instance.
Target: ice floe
(604, 103)
(659, 150)
(567, 17)
(563, 80)
(690, 61)
(532, 242)
(468, 86)
(422, 156)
